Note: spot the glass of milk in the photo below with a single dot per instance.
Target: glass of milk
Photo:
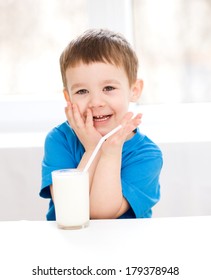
(71, 198)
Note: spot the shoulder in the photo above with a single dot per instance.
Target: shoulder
(141, 152)
(61, 131)
(62, 149)
(63, 138)
(62, 134)
(140, 144)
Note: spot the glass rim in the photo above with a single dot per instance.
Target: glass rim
(66, 171)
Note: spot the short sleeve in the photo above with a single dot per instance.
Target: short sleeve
(58, 154)
(140, 184)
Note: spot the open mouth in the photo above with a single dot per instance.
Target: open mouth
(101, 118)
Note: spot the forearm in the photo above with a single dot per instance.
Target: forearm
(83, 162)
(106, 199)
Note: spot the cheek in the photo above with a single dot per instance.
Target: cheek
(122, 105)
(119, 99)
(121, 110)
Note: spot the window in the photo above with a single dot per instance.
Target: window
(173, 42)
(33, 35)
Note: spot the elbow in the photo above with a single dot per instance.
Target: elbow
(106, 213)
(100, 214)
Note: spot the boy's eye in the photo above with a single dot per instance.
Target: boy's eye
(81, 91)
(108, 88)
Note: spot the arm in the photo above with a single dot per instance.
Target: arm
(106, 198)
(87, 135)
(103, 192)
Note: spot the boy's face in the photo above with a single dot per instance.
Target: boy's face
(104, 88)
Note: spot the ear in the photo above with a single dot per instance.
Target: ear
(136, 90)
(66, 94)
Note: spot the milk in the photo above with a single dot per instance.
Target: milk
(71, 198)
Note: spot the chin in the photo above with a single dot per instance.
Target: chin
(104, 127)
(102, 130)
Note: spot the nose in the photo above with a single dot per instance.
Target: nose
(96, 100)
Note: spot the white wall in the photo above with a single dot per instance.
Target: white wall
(20, 182)
(185, 180)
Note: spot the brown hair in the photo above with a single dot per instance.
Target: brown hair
(100, 45)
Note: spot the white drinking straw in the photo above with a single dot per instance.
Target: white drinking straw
(99, 145)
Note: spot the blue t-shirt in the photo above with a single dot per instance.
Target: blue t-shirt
(140, 169)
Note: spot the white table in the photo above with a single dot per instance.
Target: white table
(107, 244)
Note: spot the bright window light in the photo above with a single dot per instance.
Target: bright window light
(33, 35)
(173, 43)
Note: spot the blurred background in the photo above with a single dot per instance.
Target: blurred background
(173, 42)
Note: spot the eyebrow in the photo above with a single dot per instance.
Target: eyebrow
(77, 85)
(111, 82)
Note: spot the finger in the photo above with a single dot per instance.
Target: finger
(128, 116)
(89, 118)
(69, 113)
(79, 122)
(68, 107)
(137, 119)
(135, 122)
(129, 123)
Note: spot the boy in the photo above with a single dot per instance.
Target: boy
(99, 73)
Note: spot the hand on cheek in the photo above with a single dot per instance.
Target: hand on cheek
(83, 126)
(129, 123)
(116, 141)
